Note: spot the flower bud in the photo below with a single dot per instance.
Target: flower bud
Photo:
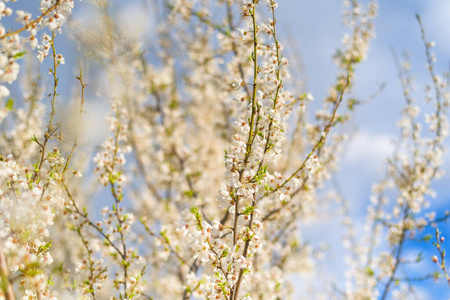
(435, 259)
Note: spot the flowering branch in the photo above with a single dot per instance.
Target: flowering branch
(438, 244)
(33, 23)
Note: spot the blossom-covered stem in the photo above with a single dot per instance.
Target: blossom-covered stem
(226, 32)
(7, 286)
(233, 44)
(442, 265)
(93, 225)
(125, 264)
(321, 140)
(266, 148)
(91, 263)
(32, 23)
(435, 80)
(51, 129)
(274, 34)
(252, 118)
(255, 77)
(202, 18)
(135, 285)
(430, 66)
(166, 241)
(245, 253)
(398, 254)
(278, 209)
(325, 131)
(75, 143)
(267, 143)
(118, 197)
(221, 268)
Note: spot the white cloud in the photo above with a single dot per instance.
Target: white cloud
(368, 149)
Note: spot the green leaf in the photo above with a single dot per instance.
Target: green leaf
(9, 104)
(225, 252)
(195, 211)
(189, 194)
(165, 237)
(20, 54)
(427, 237)
(112, 179)
(248, 210)
(369, 271)
(125, 264)
(45, 247)
(351, 103)
(50, 281)
(34, 138)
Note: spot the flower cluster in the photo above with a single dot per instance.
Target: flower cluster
(27, 212)
(13, 44)
(112, 156)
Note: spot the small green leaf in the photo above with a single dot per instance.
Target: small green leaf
(427, 237)
(9, 104)
(189, 194)
(225, 252)
(248, 210)
(195, 211)
(50, 281)
(369, 271)
(34, 138)
(20, 54)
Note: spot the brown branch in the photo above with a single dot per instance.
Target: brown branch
(6, 284)
(32, 23)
